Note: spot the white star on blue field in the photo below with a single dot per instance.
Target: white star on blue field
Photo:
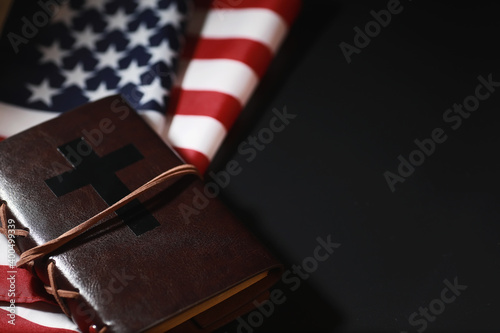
(96, 48)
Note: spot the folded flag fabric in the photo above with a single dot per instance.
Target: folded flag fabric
(230, 44)
(95, 48)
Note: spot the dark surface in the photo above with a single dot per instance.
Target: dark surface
(324, 173)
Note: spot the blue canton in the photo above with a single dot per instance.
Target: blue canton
(96, 48)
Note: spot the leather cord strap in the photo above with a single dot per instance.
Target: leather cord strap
(52, 245)
(58, 293)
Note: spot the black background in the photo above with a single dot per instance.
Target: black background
(324, 174)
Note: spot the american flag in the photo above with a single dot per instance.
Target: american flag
(189, 87)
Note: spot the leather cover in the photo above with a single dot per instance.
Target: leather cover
(148, 263)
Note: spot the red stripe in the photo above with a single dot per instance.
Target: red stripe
(256, 55)
(194, 157)
(287, 9)
(2, 138)
(28, 289)
(25, 326)
(213, 104)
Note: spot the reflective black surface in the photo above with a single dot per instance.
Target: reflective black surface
(424, 257)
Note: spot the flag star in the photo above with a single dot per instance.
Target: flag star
(145, 4)
(119, 21)
(171, 15)
(153, 92)
(98, 5)
(109, 58)
(53, 53)
(86, 38)
(100, 92)
(131, 74)
(42, 92)
(162, 53)
(77, 76)
(139, 37)
(64, 14)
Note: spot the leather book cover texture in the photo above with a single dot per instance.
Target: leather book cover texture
(173, 258)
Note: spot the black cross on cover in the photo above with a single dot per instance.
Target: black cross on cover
(100, 173)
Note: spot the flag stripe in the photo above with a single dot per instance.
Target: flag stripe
(256, 55)
(201, 161)
(286, 9)
(28, 288)
(41, 319)
(154, 119)
(20, 119)
(31, 292)
(221, 75)
(228, 54)
(222, 107)
(261, 25)
(200, 133)
(32, 288)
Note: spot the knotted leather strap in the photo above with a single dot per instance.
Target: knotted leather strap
(52, 245)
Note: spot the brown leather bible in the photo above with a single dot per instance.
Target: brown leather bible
(147, 267)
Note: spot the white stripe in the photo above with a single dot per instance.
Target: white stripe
(3, 252)
(154, 119)
(201, 133)
(226, 76)
(258, 24)
(14, 119)
(44, 315)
